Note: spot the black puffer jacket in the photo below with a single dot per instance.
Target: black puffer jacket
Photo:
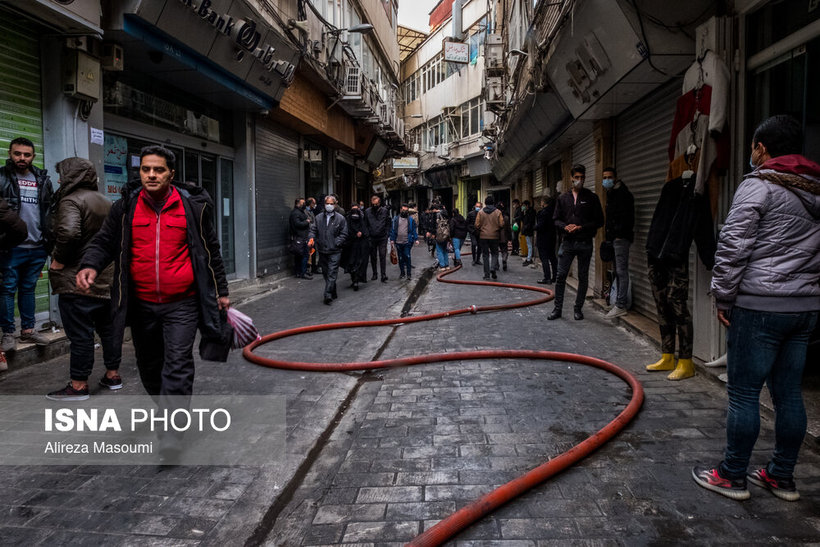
(458, 227)
(113, 244)
(77, 215)
(10, 191)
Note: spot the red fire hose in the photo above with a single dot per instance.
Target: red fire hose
(473, 512)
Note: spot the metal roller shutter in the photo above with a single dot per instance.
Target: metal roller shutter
(277, 185)
(584, 153)
(20, 104)
(642, 137)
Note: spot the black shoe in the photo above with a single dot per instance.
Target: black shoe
(333, 295)
(307, 276)
(384, 279)
(494, 275)
(401, 275)
(479, 263)
(374, 277)
(556, 314)
(68, 393)
(355, 286)
(543, 281)
(328, 300)
(579, 315)
(111, 383)
(486, 277)
(504, 266)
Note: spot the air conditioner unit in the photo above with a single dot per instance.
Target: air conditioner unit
(430, 149)
(416, 147)
(353, 81)
(384, 113)
(443, 150)
(494, 90)
(494, 52)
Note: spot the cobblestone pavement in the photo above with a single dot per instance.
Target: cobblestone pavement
(375, 458)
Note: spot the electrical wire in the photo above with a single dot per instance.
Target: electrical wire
(645, 41)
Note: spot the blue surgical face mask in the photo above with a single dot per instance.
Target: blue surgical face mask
(752, 163)
(329, 207)
(478, 208)
(608, 183)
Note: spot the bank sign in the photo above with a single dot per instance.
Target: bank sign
(229, 34)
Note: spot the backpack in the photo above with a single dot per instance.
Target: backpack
(442, 230)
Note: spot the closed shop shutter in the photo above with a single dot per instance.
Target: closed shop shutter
(539, 183)
(584, 153)
(20, 104)
(277, 185)
(642, 138)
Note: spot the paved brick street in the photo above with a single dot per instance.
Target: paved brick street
(376, 458)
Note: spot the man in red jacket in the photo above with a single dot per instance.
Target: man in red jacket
(169, 278)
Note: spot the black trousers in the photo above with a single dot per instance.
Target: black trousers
(569, 250)
(82, 315)
(164, 343)
(546, 252)
(475, 248)
(378, 246)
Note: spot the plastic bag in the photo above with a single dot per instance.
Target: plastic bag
(244, 332)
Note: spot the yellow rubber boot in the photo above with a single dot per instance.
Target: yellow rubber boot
(684, 370)
(667, 362)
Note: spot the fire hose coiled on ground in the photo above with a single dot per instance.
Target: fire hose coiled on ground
(473, 512)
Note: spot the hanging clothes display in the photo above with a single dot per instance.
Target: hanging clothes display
(700, 125)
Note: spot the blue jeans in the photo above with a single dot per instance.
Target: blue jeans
(442, 254)
(528, 239)
(457, 243)
(765, 347)
(403, 252)
(20, 269)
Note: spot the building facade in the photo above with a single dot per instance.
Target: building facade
(607, 83)
(251, 95)
(444, 111)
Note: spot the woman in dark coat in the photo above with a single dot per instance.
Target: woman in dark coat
(357, 249)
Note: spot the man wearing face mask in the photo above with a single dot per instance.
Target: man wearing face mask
(328, 234)
(620, 221)
(578, 215)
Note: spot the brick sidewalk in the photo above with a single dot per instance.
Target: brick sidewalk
(374, 458)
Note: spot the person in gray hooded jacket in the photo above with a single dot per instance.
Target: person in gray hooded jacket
(766, 286)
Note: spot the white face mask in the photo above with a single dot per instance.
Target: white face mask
(329, 207)
(578, 184)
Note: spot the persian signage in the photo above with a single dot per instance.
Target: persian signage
(456, 52)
